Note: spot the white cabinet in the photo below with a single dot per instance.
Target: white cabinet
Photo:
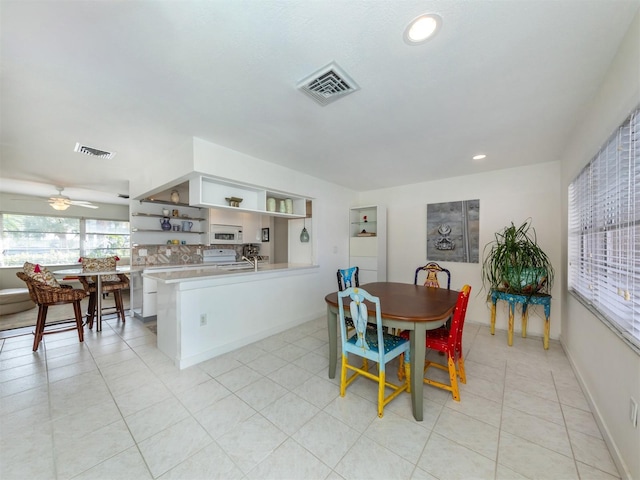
(147, 217)
(368, 242)
(213, 192)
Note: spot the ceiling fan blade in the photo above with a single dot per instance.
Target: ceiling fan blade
(83, 204)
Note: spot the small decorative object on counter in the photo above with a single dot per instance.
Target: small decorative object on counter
(165, 224)
(186, 226)
(165, 212)
(175, 196)
(289, 205)
(176, 228)
(364, 219)
(271, 204)
(175, 213)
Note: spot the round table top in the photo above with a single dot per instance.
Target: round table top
(405, 301)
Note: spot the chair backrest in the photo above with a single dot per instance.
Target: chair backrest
(348, 277)
(432, 269)
(359, 313)
(90, 264)
(25, 278)
(457, 321)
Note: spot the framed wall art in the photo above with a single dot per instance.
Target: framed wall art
(453, 231)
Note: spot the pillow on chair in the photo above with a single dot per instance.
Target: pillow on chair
(100, 265)
(40, 274)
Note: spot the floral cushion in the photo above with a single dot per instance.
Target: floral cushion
(100, 265)
(40, 274)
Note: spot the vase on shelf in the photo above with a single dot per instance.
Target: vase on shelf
(175, 196)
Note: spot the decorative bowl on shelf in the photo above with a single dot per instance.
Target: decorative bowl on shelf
(233, 201)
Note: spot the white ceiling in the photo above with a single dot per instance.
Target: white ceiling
(506, 78)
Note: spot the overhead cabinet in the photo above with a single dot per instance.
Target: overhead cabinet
(213, 192)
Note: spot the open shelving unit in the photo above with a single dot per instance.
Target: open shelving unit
(212, 193)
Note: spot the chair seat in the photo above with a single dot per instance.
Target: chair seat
(391, 342)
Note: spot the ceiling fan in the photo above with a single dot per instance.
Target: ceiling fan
(62, 202)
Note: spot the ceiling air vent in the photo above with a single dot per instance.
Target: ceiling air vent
(328, 84)
(94, 152)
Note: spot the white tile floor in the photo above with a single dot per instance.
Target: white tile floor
(115, 407)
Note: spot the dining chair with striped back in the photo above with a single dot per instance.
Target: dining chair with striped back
(448, 341)
(369, 344)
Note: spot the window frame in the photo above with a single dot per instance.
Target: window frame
(604, 233)
(83, 243)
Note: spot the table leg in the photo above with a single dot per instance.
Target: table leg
(525, 319)
(547, 325)
(98, 303)
(493, 318)
(512, 307)
(416, 339)
(332, 325)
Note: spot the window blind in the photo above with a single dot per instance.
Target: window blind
(604, 231)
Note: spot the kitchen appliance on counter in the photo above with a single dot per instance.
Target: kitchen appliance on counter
(219, 256)
(230, 234)
(250, 250)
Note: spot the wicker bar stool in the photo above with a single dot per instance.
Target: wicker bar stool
(45, 296)
(110, 284)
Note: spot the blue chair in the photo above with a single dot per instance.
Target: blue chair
(370, 344)
(348, 277)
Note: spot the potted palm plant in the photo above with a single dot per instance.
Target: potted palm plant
(515, 263)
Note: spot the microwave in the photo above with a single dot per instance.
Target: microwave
(229, 234)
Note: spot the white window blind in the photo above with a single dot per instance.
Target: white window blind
(604, 231)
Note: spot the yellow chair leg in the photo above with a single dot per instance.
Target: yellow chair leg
(381, 381)
(401, 373)
(407, 375)
(453, 377)
(343, 376)
(461, 373)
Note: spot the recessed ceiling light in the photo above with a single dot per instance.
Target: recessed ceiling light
(422, 28)
(479, 157)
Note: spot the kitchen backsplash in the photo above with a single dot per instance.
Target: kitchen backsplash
(180, 254)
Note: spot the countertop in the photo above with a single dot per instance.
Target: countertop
(178, 273)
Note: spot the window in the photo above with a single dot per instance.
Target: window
(59, 240)
(604, 232)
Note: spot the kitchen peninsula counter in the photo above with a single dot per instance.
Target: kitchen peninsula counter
(204, 311)
(180, 273)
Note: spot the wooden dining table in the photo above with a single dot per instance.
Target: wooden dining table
(405, 307)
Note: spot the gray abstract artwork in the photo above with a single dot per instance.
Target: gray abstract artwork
(453, 231)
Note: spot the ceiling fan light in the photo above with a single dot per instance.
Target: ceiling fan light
(59, 205)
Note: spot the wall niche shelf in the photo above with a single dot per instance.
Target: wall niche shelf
(209, 192)
(368, 242)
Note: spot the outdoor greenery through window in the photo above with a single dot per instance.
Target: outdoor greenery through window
(60, 240)
(604, 232)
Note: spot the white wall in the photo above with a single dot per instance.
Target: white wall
(511, 195)
(608, 369)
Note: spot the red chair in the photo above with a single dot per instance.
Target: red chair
(448, 341)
